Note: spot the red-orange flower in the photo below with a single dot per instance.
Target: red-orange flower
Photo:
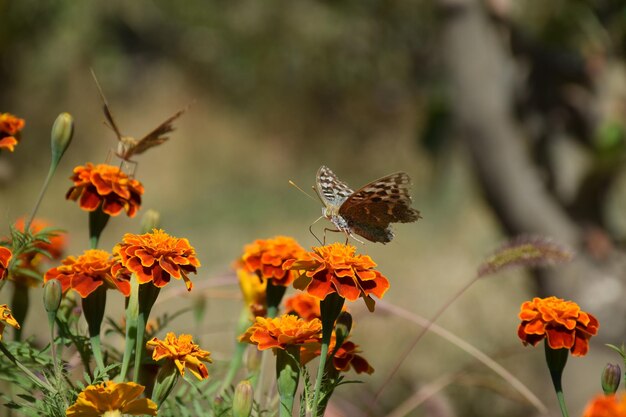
(87, 272)
(303, 305)
(105, 186)
(561, 322)
(346, 357)
(5, 258)
(155, 257)
(183, 352)
(10, 127)
(283, 331)
(6, 318)
(606, 406)
(336, 268)
(266, 258)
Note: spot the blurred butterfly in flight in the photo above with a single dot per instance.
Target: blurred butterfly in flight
(129, 146)
(368, 211)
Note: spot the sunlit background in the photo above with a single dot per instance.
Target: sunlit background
(276, 89)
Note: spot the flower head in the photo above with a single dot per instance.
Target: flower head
(5, 258)
(561, 322)
(6, 318)
(86, 273)
(266, 258)
(253, 290)
(337, 268)
(304, 305)
(112, 399)
(282, 331)
(105, 186)
(155, 257)
(346, 357)
(606, 406)
(183, 352)
(10, 127)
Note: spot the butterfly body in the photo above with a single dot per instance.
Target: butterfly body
(369, 211)
(129, 146)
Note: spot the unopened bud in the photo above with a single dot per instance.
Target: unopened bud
(611, 376)
(150, 220)
(242, 400)
(61, 135)
(343, 327)
(52, 295)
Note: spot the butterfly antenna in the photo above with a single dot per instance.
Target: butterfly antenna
(303, 192)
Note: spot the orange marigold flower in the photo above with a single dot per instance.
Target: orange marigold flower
(6, 318)
(5, 258)
(253, 290)
(266, 258)
(606, 406)
(183, 352)
(10, 127)
(282, 331)
(105, 186)
(304, 305)
(155, 257)
(561, 322)
(86, 273)
(336, 268)
(112, 399)
(346, 357)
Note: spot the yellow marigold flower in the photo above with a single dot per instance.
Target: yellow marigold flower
(561, 322)
(282, 331)
(6, 318)
(10, 127)
(105, 186)
(606, 406)
(266, 258)
(337, 268)
(183, 352)
(5, 258)
(111, 399)
(253, 290)
(155, 257)
(304, 305)
(86, 273)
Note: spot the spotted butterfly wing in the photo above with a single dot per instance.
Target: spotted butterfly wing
(331, 189)
(370, 210)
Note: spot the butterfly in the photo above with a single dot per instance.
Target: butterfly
(129, 146)
(368, 211)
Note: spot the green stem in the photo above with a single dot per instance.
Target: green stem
(320, 376)
(240, 350)
(562, 406)
(41, 384)
(42, 192)
(556, 360)
(97, 222)
(132, 311)
(148, 294)
(93, 308)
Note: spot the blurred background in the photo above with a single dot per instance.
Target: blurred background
(508, 116)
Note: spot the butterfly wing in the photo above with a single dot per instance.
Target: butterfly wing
(331, 189)
(105, 107)
(157, 136)
(379, 203)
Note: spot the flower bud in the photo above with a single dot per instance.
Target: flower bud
(611, 376)
(150, 220)
(343, 327)
(61, 135)
(242, 400)
(52, 294)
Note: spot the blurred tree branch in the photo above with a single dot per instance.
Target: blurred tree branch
(481, 73)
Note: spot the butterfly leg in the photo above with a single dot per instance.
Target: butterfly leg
(330, 230)
(131, 167)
